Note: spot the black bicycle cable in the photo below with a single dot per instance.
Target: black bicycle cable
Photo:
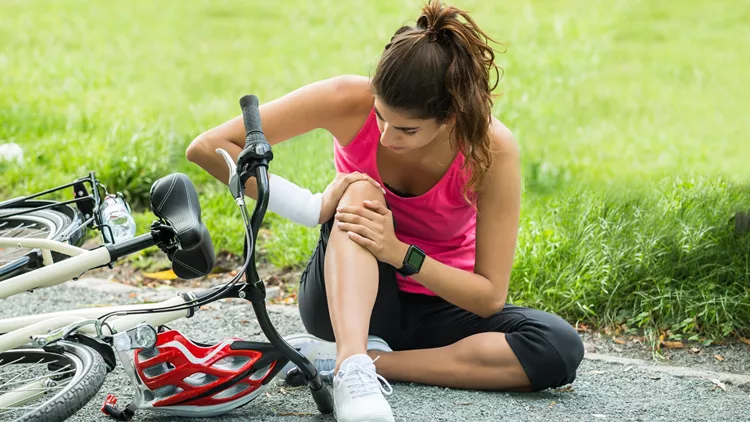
(195, 302)
(184, 306)
(210, 298)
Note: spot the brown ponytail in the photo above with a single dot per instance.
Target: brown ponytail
(440, 68)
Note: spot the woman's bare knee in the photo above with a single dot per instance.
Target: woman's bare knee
(355, 194)
(361, 191)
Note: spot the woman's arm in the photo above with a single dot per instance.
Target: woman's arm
(484, 292)
(338, 105)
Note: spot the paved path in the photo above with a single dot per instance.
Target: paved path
(607, 389)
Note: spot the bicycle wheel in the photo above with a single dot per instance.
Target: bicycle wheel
(57, 223)
(61, 381)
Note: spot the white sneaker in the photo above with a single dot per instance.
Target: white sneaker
(358, 392)
(322, 353)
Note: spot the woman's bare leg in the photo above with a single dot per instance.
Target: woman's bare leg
(351, 277)
(483, 361)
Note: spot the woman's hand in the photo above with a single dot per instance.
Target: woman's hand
(335, 190)
(371, 226)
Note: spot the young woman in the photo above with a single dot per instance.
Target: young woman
(410, 276)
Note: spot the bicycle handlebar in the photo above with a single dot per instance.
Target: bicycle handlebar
(253, 161)
(257, 151)
(251, 116)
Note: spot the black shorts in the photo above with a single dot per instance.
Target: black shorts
(548, 347)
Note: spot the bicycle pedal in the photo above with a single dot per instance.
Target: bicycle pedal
(110, 409)
(110, 400)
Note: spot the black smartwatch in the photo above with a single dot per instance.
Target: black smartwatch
(412, 261)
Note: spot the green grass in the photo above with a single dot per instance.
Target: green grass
(651, 260)
(616, 105)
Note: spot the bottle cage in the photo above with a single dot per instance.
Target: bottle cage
(177, 375)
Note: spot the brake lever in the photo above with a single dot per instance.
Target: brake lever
(235, 186)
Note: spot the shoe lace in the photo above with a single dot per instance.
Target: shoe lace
(364, 380)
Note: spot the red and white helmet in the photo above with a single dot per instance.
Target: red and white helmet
(181, 377)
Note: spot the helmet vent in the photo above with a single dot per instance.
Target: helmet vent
(200, 379)
(260, 373)
(231, 363)
(231, 391)
(158, 369)
(167, 391)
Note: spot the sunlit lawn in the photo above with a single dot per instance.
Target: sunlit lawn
(631, 115)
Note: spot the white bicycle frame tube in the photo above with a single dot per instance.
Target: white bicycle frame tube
(19, 330)
(56, 273)
(45, 245)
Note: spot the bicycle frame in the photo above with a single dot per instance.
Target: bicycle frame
(53, 272)
(47, 328)
(18, 330)
(57, 325)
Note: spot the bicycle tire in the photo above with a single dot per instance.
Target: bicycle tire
(88, 379)
(62, 222)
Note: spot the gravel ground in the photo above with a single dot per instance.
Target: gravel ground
(731, 356)
(603, 391)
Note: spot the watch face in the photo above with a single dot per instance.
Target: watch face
(415, 259)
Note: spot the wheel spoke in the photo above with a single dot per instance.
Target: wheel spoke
(18, 229)
(27, 227)
(25, 369)
(38, 378)
(10, 363)
(31, 379)
(15, 371)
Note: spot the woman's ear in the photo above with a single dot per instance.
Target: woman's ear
(451, 120)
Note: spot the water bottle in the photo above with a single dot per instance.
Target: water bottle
(116, 216)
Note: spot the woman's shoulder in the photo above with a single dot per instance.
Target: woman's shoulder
(354, 101)
(504, 171)
(502, 141)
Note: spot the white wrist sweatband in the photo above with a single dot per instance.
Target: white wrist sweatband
(293, 202)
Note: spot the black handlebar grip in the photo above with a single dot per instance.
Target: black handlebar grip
(257, 151)
(251, 116)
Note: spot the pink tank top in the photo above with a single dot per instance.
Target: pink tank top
(440, 222)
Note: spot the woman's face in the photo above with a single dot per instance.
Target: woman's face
(401, 134)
